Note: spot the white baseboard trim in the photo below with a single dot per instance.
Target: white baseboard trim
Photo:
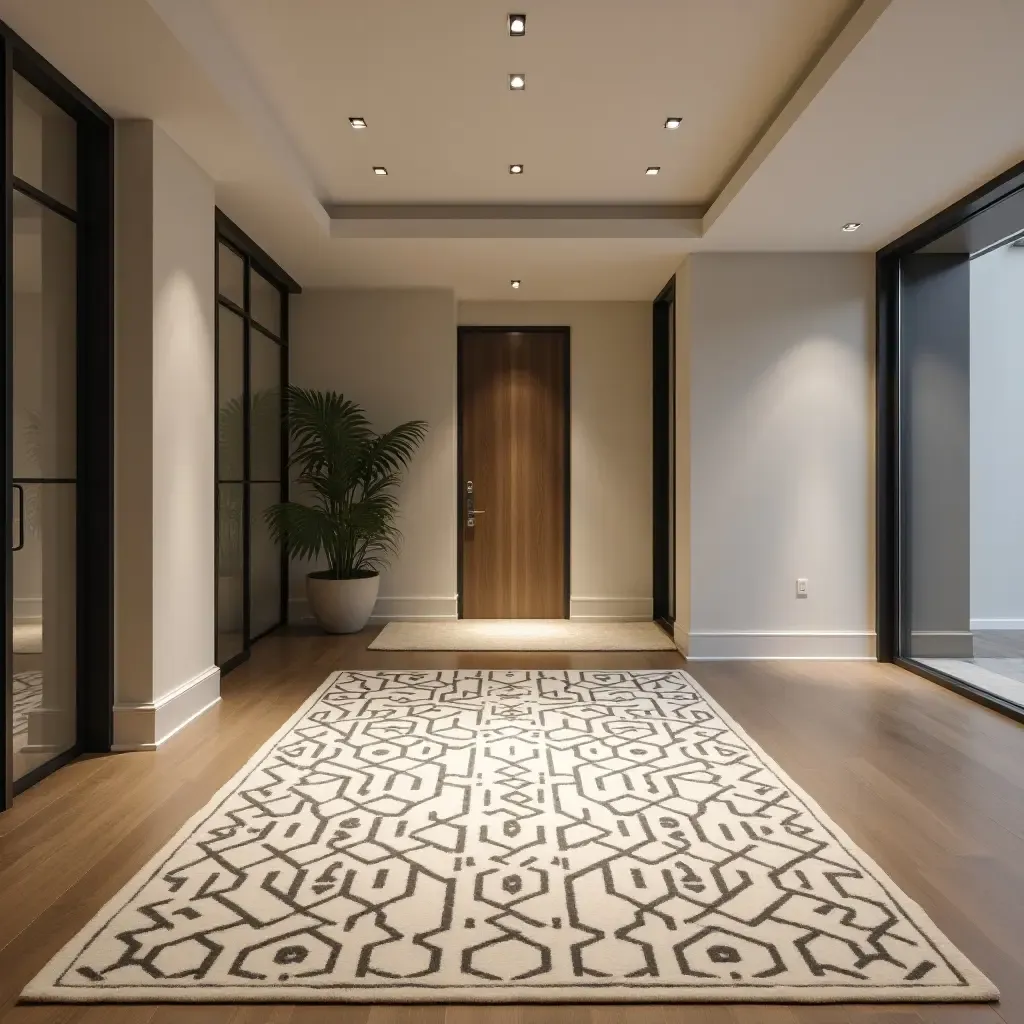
(611, 609)
(28, 610)
(941, 644)
(146, 726)
(977, 624)
(681, 639)
(783, 645)
(412, 609)
(403, 609)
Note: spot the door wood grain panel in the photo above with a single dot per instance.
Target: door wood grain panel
(513, 390)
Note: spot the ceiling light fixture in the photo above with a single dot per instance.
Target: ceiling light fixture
(517, 81)
(517, 24)
(380, 170)
(673, 123)
(852, 226)
(652, 171)
(516, 284)
(357, 122)
(515, 168)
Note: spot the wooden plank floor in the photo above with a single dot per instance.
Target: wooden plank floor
(931, 785)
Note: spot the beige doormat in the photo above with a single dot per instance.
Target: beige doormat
(521, 635)
(510, 836)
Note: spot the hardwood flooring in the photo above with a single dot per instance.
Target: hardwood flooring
(928, 783)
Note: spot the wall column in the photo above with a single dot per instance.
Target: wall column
(166, 436)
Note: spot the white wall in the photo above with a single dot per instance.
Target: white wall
(184, 417)
(997, 439)
(394, 353)
(165, 438)
(780, 398)
(610, 453)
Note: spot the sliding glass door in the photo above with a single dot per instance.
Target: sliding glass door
(951, 458)
(45, 481)
(57, 428)
(252, 360)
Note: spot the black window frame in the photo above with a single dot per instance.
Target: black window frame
(977, 217)
(94, 220)
(255, 259)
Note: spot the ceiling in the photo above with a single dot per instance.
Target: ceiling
(602, 76)
(798, 116)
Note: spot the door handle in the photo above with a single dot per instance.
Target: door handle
(471, 512)
(21, 517)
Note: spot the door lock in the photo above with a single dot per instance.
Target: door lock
(471, 511)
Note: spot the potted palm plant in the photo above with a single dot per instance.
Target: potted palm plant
(350, 472)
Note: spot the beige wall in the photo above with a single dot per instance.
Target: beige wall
(165, 438)
(394, 353)
(780, 393)
(610, 467)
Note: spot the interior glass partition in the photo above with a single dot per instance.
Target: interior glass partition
(57, 427)
(952, 368)
(252, 362)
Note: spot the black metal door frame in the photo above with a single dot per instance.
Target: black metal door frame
(94, 220)
(663, 532)
(253, 259)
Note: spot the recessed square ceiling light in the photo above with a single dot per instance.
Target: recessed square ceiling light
(517, 24)
(852, 226)
(672, 123)
(651, 171)
(515, 168)
(516, 284)
(517, 81)
(380, 170)
(357, 122)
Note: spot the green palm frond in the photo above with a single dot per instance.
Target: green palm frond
(390, 453)
(307, 531)
(350, 473)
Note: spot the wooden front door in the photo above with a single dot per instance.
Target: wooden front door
(513, 408)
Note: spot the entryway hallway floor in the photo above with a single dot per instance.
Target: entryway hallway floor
(928, 783)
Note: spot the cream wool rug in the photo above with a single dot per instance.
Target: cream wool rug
(521, 635)
(500, 836)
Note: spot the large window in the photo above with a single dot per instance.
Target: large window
(252, 362)
(57, 424)
(951, 368)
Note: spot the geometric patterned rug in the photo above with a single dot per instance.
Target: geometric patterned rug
(510, 836)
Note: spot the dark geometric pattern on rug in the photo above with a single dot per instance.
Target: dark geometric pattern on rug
(552, 833)
(28, 696)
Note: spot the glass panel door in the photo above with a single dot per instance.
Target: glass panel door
(265, 576)
(44, 613)
(251, 372)
(230, 485)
